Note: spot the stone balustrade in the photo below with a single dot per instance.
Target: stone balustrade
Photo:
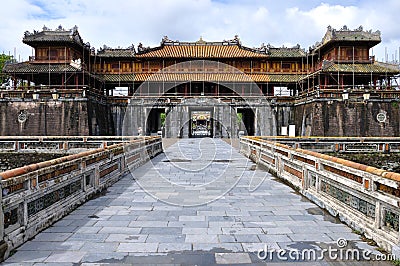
(35, 196)
(341, 144)
(364, 197)
(62, 144)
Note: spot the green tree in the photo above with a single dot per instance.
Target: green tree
(239, 119)
(162, 116)
(3, 60)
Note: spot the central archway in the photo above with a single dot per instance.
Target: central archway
(201, 123)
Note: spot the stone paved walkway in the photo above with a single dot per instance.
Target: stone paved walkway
(199, 203)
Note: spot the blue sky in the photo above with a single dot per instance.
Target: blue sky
(122, 23)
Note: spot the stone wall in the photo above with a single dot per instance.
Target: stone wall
(117, 113)
(101, 119)
(44, 117)
(343, 118)
(98, 116)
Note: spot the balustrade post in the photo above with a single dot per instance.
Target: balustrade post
(3, 244)
(1, 211)
(305, 181)
(96, 182)
(378, 215)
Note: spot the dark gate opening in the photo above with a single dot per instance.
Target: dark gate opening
(246, 115)
(156, 122)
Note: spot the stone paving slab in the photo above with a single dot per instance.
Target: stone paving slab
(197, 221)
(232, 258)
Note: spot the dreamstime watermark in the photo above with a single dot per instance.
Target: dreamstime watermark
(338, 252)
(206, 160)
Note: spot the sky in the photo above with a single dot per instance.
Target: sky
(121, 23)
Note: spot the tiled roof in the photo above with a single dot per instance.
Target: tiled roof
(38, 68)
(286, 52)
(58, 35)
(284, 77)
(119, 77)
(201, 51)
(116, 53)
(353, 35)
(360, 68)
(345, 34)
(209, 77)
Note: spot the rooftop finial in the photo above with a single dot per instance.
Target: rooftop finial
(201, 40)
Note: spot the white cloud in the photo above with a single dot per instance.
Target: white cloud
(122, 23)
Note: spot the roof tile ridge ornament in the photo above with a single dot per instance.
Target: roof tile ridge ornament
(166, 40)
(142, 49)
(296, 47)
(201, 41)
(73, 32)
(375, 33)
(132, 48)
(263, 48)
(28, 33)
(60, 28)
(104, 48)
(234, 41)
(329, 35)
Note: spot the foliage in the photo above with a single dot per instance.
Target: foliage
(396, 262)
(3, 60)
(162, 116)
(239, 118)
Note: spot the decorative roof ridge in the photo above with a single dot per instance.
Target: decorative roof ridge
(103, 50)
(168, 42)
(233, 42)
(296, 47)
(345, 29)
(333, 34)
(261, 50)
(59, 31)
